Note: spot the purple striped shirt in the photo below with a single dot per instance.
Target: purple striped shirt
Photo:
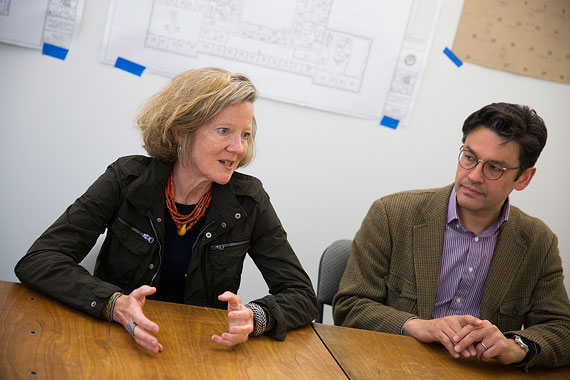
(464, 264)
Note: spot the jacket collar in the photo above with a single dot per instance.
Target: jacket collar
(224, 207)
(146, 192)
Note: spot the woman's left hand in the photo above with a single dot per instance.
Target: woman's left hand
(240, 321)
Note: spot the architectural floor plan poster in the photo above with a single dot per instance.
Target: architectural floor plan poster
(335, 55)
(30, 23)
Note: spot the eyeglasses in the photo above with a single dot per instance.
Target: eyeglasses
(491, 169)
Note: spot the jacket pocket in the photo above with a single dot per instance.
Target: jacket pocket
(401, 294)
(135, 240)
(227, 254)
(128, 254)
(227, 264)
(512, 313)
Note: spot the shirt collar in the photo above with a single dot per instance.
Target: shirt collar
(452, 212)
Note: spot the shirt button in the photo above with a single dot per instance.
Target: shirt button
(458, 300)
(93, 304)
(223, 225)
(185, 275)
(470, 269)
(208, 235)
(237, 215)
(151, 266)
(476, 238)
(158, 220)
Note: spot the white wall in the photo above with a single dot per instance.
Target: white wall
(62, 122)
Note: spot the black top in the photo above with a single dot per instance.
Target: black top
(177, 254)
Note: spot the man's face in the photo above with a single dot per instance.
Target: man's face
(478, 195)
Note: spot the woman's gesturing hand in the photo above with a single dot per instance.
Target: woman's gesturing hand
(128, 312)
(240, 321)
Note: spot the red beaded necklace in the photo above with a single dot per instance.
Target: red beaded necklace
(185, 222)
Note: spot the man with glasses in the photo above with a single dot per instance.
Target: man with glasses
(461, 266)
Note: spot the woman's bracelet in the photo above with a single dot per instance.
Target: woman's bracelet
(259, 318)
(110, 308)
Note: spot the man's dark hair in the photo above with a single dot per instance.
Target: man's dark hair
(512, 122)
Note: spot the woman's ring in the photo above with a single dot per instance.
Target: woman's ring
(131, 329)
(482, 344)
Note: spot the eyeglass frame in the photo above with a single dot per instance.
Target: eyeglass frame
(461, 150)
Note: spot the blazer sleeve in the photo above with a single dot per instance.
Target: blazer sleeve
(364, 291)
(548, 321)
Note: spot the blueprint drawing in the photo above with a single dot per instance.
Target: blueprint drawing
(335, 55)
(412, 60)
(306, 46)
(33, 23)
(4, 7)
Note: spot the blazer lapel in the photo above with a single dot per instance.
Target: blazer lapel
(509, 253)
(428, 249)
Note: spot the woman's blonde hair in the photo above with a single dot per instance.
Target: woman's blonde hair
(191, 99)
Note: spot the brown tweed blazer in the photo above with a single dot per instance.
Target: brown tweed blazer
(394, 267)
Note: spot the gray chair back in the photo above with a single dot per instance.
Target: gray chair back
(331, 267)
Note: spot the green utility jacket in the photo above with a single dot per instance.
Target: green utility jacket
(128, 202)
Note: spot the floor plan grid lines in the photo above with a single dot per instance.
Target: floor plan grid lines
(307, 47)
(333, 55)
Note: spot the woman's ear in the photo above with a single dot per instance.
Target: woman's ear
(178, 135)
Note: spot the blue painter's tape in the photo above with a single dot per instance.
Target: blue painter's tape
(453, 57)
(131, 67)
(54, 51)
(389, 122)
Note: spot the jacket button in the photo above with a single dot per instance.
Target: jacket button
(237, 215)
(93, 304)
(515, 311)
(223, 225)
(398, 291)
(151, 266)
(159, 220)
(208, 235)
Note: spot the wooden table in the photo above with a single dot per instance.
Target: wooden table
(374, 355)
(42, 338)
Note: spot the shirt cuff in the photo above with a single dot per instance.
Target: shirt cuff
(402, 329)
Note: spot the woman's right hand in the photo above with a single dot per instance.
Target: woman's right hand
(128, 308)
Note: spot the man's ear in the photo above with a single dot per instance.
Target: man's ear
(523, 181)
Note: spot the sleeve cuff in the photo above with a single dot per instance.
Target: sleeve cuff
(402, 328)
(259, 318)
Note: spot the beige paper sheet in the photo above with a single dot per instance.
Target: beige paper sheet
(525, 37)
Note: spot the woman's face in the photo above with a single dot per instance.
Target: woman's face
(219, 145)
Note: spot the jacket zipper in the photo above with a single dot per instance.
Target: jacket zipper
(221, 247)
(159, 252)
(203, 266)
(145, 236)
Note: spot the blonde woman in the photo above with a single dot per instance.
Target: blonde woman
(179, 223)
